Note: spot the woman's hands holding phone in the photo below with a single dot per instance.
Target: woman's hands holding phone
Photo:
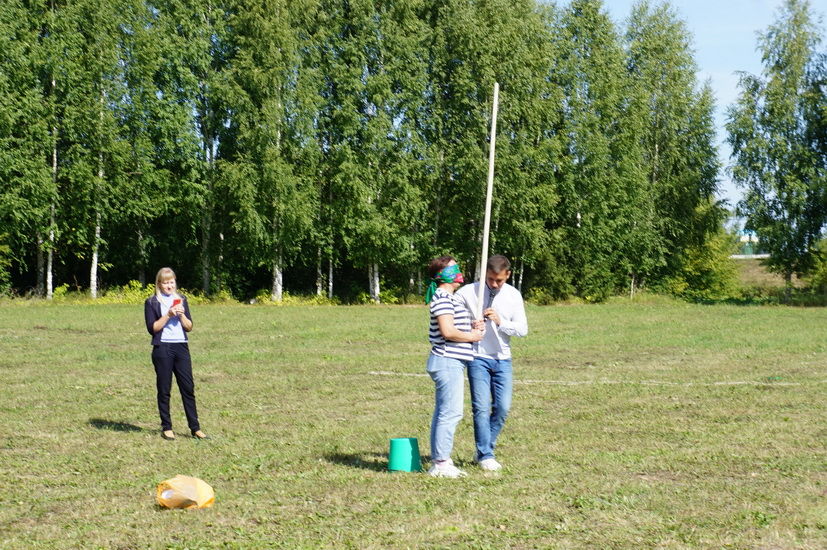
(176, 309)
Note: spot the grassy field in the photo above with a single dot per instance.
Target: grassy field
(657, 424)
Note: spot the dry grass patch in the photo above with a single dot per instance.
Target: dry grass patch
(753, 273)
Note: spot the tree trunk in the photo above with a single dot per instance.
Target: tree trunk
(41, 275)
(330, 278)
(412, 275)
(93, 270)
(219, 262)
(520, 280)
(319, 279)
(206, 217)
(96, 199)
(373, 276)
(49, 282)
(50, 251)
(276, 291)
(205, 254)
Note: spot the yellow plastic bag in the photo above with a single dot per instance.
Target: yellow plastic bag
(184, 492)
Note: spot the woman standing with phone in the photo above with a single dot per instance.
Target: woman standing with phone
(168, 320)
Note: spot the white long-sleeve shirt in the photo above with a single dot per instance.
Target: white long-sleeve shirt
(508, 303)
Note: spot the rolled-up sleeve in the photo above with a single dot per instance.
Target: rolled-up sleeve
(518, 324)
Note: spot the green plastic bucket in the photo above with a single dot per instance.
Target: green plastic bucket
(404, 455)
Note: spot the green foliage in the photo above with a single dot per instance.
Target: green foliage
(540, 296)
(26, 187)
(671, 119)
(5, 265)
(131, 293)
(591, 72)
(817, 278)
(285, 140)
(707, 273)
(263, 297)
(777, 133)
(60, 293)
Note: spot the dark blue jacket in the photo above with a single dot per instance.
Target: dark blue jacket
(152, 312)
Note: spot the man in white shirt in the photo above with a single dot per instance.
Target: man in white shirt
(490, 373)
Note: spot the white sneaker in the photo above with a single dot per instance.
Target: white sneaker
(446, 469)
(490, 465)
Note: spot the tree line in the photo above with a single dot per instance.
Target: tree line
(335, 146)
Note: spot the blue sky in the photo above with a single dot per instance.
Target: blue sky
(724, 40)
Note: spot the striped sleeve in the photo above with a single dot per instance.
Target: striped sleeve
(442, 305)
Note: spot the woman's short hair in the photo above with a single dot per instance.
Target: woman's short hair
(438, 264)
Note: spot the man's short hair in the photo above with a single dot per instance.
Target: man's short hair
(498, 263)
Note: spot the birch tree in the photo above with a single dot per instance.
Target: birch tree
(26, 186)
(771, 129)
(597, 165)
(672, 116)
(92, 83)
(272, 200)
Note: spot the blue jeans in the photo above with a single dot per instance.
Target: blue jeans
(447, 375)
(491, 382)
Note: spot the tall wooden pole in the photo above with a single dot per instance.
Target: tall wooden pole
(489, 192)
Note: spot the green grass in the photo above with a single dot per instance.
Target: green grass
(657, 424)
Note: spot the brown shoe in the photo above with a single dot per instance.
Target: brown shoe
(169, 435)
(198, 434)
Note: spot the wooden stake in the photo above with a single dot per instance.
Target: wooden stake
(489, 192)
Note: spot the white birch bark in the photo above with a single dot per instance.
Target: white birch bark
(219, 282)
(373, 276)
(93, 270)
(276, 292)
(50, 251)
(330, 279)
(41, 282)
(520, 281)
(319, 281)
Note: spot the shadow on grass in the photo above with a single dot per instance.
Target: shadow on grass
(102, 424)
(378, 462)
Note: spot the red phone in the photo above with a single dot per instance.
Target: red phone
(176, 301)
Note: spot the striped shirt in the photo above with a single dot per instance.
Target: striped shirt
(445, 303)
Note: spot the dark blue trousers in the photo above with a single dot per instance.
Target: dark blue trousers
(169, 359)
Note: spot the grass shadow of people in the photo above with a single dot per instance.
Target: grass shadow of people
(378, 462)
(102, 424)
